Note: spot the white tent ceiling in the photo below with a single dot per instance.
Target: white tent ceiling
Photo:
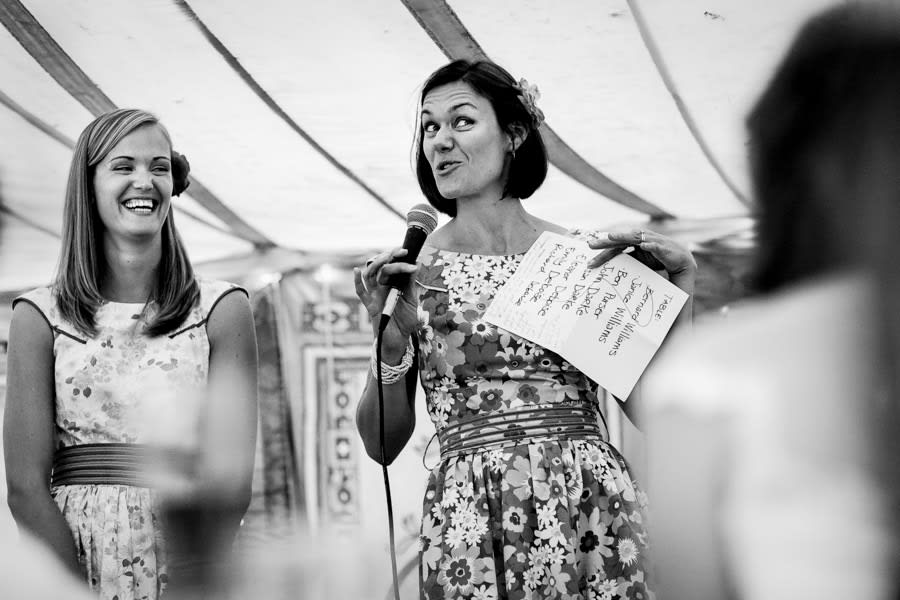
(297, 117)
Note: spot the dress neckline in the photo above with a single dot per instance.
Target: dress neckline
(115, 303)
(513, 255)
(570, 232)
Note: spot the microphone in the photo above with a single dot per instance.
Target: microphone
(421, 220)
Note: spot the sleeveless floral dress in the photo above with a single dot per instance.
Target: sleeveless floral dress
(539, 517)
(125, 387)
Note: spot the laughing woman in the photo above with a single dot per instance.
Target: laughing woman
(127, 356)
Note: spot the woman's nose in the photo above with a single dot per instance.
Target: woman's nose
(142, 180)
(443, 139)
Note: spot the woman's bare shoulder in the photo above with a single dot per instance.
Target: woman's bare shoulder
(441, 238)
(543, 226)
(553, 227)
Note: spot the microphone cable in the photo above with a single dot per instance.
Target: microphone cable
(384, 469)
(421, 221)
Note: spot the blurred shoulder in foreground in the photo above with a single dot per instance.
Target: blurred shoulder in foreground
(761, 471)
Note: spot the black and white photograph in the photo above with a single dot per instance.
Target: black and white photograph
(450, 299)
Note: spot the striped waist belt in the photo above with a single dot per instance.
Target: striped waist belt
(111, 464)
(486, 432)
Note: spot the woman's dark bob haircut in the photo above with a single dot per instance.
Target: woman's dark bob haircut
(528, 167)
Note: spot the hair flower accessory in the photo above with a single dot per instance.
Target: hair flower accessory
(180, 169)
(529, 95)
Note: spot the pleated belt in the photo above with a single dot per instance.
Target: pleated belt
(498, 430)
(108, 464)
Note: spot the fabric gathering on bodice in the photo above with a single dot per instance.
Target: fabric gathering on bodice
(529, 499)
(124, 387)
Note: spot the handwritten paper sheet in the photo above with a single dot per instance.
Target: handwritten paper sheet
(608, 322)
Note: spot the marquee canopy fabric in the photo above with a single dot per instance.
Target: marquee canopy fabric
(298, 117)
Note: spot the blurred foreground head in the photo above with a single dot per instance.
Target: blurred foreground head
(825, 147)
(825, 161)
(775, 435)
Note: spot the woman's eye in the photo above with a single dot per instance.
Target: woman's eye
(161, 169)
(121, 168)
(464, 122)
(429, 127)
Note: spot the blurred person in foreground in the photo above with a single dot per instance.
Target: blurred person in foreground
(529, 498)
(772, 436)
(130, 381)
(29, 570)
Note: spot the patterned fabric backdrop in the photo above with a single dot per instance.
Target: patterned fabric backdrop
(312, 471)
(275, 485)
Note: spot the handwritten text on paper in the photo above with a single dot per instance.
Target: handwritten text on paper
(608, 322)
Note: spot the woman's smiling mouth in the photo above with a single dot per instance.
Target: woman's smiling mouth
(141, 206)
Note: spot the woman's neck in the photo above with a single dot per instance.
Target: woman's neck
(492, 226)
(130, 270)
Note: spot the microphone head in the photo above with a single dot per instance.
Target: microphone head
(423, 216)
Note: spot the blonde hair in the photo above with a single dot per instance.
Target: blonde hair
(81, 262)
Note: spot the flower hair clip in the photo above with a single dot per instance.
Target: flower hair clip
(529, 95)
(180, 169)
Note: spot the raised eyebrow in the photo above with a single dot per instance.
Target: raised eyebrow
(425, 111)
(461, 104)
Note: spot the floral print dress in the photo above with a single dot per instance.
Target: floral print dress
(542, 516)
(124, 387)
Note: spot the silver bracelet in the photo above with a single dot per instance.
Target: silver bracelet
(390, 373)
